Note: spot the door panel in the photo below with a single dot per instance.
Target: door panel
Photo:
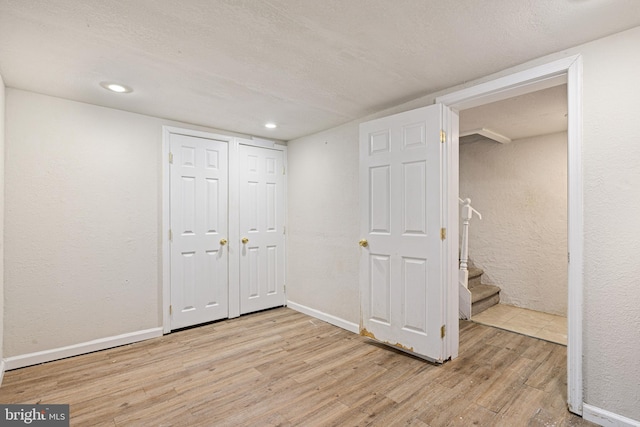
(401, 278)
(262, 224)
(380, 288)
(199, 262)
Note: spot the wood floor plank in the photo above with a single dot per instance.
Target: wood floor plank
(474, 415)
(283, 368)
(405, 386)
(548, 371)
(504, 388)
(529, 400)
(405, 414)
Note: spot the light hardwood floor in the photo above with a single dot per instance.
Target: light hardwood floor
(280, 367)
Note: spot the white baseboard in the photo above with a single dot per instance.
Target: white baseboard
(2, 369)
(605, 418)
(15, 362)
(336, 321)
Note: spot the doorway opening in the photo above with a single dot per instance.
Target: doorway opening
(567, 70)
(513, 168)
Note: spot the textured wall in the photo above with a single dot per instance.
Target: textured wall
(2, 206)
(611, 202)
(521, 242)
(612, 229)
(83, 221)
(323, 223)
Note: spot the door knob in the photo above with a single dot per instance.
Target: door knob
(363, 243)
(223, 242)
(245, 240)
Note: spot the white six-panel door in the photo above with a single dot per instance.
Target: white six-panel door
(199, 256)
(261, 228)
(401, 282)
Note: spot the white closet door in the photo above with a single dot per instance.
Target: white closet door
(401, 280)
(261, 228)
(199, 255)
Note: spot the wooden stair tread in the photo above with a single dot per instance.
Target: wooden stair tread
(475, 272)
(482, 296)
(480, 292)
(475, 276)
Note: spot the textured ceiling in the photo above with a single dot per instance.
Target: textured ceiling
(306, 64)
(536, 113)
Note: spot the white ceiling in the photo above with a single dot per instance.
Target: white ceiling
(306, 64)
(536, 113)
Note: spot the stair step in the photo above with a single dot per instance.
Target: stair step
(483, 297)
(481, 292)
(475, 276)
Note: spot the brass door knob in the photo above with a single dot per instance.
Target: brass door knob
(223, 242)
(245, 240)
(363, 243)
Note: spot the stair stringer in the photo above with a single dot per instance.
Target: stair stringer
(464, 296)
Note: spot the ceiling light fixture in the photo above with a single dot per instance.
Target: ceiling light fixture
(116, 87)
(270, 125)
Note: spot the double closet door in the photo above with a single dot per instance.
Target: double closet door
(226, 228)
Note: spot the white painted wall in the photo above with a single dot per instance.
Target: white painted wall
(612, 230)
(611, 202)
(82, 223)
(83, 218)
(2, 206)
(521, 242)
(323, 223)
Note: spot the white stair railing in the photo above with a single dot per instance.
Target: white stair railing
(466, 215)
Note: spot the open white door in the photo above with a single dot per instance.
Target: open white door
(261, 228)
(199, 259)
(402, 285)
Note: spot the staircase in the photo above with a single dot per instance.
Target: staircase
(474, 297)
(482, 296)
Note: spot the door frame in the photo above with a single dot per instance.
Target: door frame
(233, 219)
(567, 70)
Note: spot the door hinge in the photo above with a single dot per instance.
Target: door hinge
(443, 136)
(284, 229)
(284, 171)
(284, 288)
(569, 257)
(442, 331)
(170, 310)
(443, 233)
(170, 235)
(170, 157)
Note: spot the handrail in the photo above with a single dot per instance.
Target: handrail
(467, 214)
(467, 202)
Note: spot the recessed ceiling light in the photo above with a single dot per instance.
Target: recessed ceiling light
(116, 87)
(270, 125)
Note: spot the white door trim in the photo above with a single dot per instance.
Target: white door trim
(166, 213)
(450, 213)
(567, 70)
